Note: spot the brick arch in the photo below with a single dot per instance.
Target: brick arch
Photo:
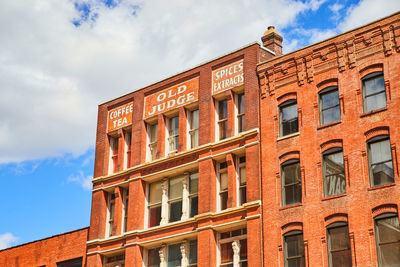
(291, 226)
(294, 154)
(336, 217)
(327, 83)
(285, 97)
(380, 130)
(384, 208)
(370, 68)
(331, 144)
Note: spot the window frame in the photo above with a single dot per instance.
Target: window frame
(323, 92)
(283, 185)
(373, 140)
(221, 193)
(240, 114)
(286, 104)
(285, 253)
(113, 162)
(193, 195)
(125, 203)
(371, 76)
(172, 134)
(331, 151)
(192, 132)
(153, 205)
(222, 121)
(230, 240)
(128, 148)
(329, 239)
(117, 260)
(241, 187)
(174, 200)
(111, 196)
(152, 141)
(383, 216)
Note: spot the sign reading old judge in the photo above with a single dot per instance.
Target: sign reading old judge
(119, 117)
(171, 98)
(227, 77)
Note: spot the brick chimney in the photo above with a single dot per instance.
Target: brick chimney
(272, 40)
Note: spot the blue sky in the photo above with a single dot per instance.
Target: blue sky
(60, 59)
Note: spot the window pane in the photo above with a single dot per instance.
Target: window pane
(294, 248)
(153, 257)
(243, 249)
(224, 200)
(226, 253)
(194, 183)
(194, 123)
(175, 211)
(334, 179)
(390, 255)
(222, 110)
(175, 188)
(174, 126)
(292, 194)
(383, 173)
(341, 258)
(331, 115)
(243, 196)
(153, 133)
(193, 252)
(380, 151)
(241, 103)
(194, 139)
(224, 181)
(174, 255)
(289, 112)
(223, 129)
(242, 173)
(374, 85)
(339, 238)
(330, 99)
(194, 205)
(388, 229)
(291, 173)
(289, 127)
(241, 123)
(375, 101)
(155, 193)
(155, 216)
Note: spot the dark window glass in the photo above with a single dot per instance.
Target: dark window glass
(329, 106)
(194, 128)
(155, 195)
(175, 190)
(194, 206)
(173, 132)
(380, 161)
(70, 263)
(223, 185)
(175, 211)
(387, 234)
(291, 183)
(242, 180)
(294, 249)
(240, 115)
(193, 193)
(288, 118)
(174, 255)
(193, 253)
(223, 119)
(153, 256)
(339, 245)
(155, 216)
(374, 92)
(334, 175)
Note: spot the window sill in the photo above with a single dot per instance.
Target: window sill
(329, 125)
(287, 136)
(381, 186)
(291, 206)
(333, 197)
(373, 112)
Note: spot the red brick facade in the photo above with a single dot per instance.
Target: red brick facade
(135, 198)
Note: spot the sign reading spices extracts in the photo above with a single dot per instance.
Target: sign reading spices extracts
(227, 77)
(119, 117)
(171, 98)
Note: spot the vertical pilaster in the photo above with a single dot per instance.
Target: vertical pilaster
(98, 215)
(182, 129)
(93, 260)
(118, 191)
(134, 256)
(232, 181)
(231, 113)
(207, 246)
(252, 173)
(207, 186)
(136, 205)
(161, 128)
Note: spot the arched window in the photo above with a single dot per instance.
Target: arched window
(387, 235)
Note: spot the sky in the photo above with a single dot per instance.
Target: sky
(60, 59)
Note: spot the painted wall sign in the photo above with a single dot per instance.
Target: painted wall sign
(171, 98)
(119, 117)
(227, 77)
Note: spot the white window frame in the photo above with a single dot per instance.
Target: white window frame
(128, 145)
(150, 145)
(219, 171)
(239, 187)
(125, 205)
(191, 131)
(228, 240)
(218, 120)
(237, 114)
(113, 141)
(171, 138)
(108, 224)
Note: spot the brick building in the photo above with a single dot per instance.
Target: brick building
(254, 159)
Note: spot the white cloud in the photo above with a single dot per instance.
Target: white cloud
(7, 240)
(367, 11)
(82, 180)
(53, 74)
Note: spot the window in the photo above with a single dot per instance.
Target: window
(230, 244)
(152, 135)
(125, 211)
(174, 255)
(294, 249)
(69, 263)
(242, 180)
(222, 119)
(155, 199)
(194, 194)
(223, 185)
(127, 159)
(380, 161)
(329, 106)
(291, 183)
(111, 213)
(179, 203)
(374, 93)
(173, 134)
(115, 261)
(175, 199)
(113, 154)
(339, 251)
(288, 118)
(333, 170)
(387, 235)
(240, 112)
(194, 128)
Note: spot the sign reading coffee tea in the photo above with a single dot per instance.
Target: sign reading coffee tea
(227, 77)
(171, 98)
(119, 117)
